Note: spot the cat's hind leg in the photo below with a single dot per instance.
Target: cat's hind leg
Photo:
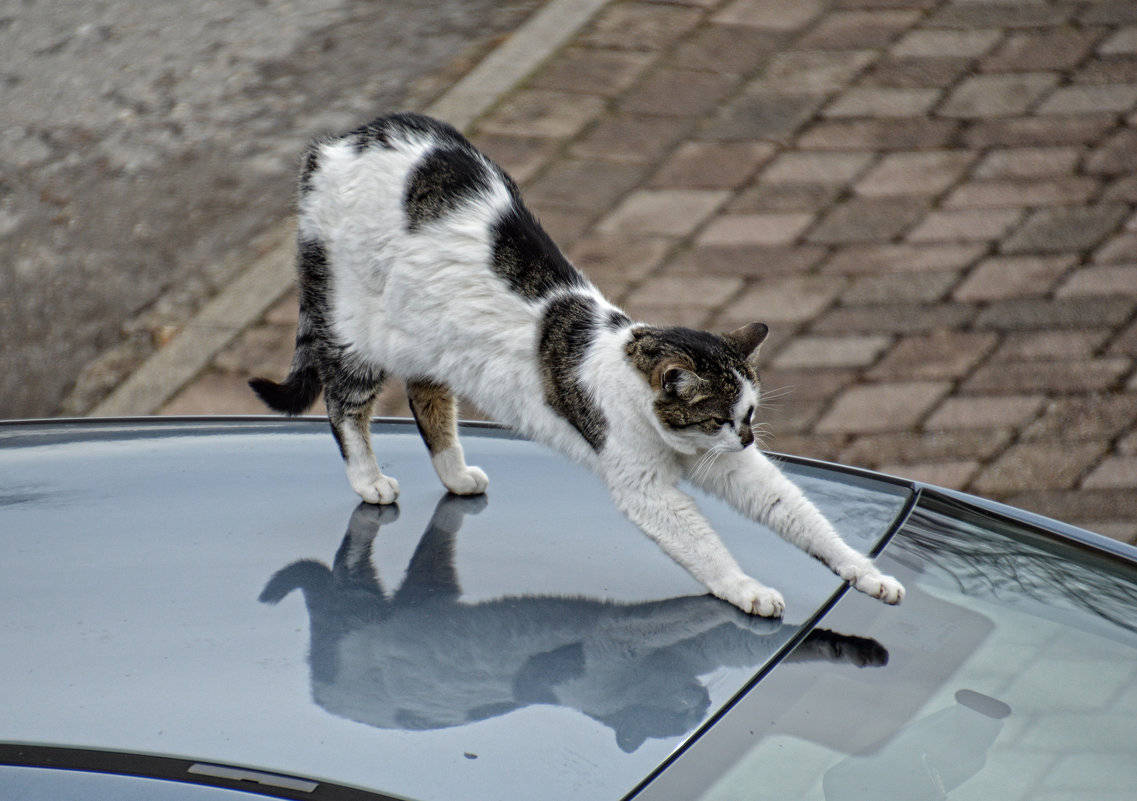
(349, 403)
(436, 413)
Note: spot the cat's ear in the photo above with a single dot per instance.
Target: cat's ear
(749, 338)
(676, 381)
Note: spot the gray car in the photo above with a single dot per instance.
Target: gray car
(200, 609)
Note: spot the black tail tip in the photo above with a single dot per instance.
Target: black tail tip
(279, 397)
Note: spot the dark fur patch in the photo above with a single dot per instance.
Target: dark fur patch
(435, 412)
(525, 256)
(445, 180)
(568, 329)
(380, 131)
(308, 168)
(712, 358)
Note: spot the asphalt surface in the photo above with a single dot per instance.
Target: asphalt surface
(146, 145)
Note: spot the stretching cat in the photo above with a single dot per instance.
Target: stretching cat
(419, 260)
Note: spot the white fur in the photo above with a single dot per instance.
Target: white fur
(424, 304)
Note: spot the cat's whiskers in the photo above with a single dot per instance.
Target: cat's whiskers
(703, 466)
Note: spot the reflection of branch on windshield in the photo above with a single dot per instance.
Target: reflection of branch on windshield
(982, 563)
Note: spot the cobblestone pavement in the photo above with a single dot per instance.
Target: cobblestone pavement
(931, 203)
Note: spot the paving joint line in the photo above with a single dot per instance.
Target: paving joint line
(248, 296)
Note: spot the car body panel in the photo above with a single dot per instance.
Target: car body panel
(212, 590)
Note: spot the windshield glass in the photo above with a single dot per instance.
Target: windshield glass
(1009, 672)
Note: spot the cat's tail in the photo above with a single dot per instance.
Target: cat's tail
(296, 394)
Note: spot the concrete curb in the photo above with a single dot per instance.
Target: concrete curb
(252, 293)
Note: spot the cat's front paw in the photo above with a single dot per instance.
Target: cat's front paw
(467, 481)
(753, 597)
(872, 582)
(382, 490)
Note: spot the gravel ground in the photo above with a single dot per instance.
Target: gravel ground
(147, 144)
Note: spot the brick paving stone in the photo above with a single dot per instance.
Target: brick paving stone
(788, 299)
(1109, 12)
(867, 220)
(663, 212)
(927, 287)
(757, 115)
(889, 134)
(1046, 49)
(812, 71)
(1040, 465)
(704, 292)
(847, 30)
(1101, 280)
(615, 261)
(997, 95)
(543, 113)
(286, 312)
(925, 43)
(1029, 162)
(908, 447)
(267, 348)
(985, 411)
(747, 261)
(1000, 15)
(1090, 417)
(755, 229)
(1120, 41)
(938, 355)
(895, 318)
(1077, 505)
(1002, 277)
(915, 173)
(1062, 191)
(815, 168)
(869, 408)
(1118, 472)
(640, 26)
(1051, 129)
(1080, 99)
(638, 138)
(811, 446)
(1116, 155)
(1125, 344)
(882, 101)
(1024, 346)
(952, 475)
(216, 392)
(792, 400)
(785, 197)
(965, 225)
(582, 184)
(593, 71)
(520, 156)
(822, 352)
(1057, 377)
(712, 165)
(733, 49)
(1118, 69)
(780, 15)
(674, 92)
(877, 259)
(1123, 188)
(1034, 314)
(909, 73)
(1065, 229)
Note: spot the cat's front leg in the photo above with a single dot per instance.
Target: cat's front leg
(351, 424)
(754, 485)
(671, 519)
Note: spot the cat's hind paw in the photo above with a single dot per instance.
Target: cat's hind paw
(382, 490)
(470, 481)
(753, 598)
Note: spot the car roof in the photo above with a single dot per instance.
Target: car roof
(212, 590)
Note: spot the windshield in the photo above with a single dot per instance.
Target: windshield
(1011, 673)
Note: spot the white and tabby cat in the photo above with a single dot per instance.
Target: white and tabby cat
(419, 260)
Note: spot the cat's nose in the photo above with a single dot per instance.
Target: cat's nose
(745, 436)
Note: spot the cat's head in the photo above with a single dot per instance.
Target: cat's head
(705, 385)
